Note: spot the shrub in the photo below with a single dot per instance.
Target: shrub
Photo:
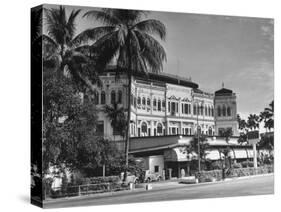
(247, 163)
(240, 172)
(216, 165)
(208, 176)
(98, 180)
(237, 166)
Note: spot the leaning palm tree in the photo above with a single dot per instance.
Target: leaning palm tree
(130, 41)
(63, 50)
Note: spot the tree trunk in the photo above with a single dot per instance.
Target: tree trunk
(128, 121)
(103, 170)
(129, 74)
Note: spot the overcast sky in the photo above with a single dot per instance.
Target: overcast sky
(237, 51)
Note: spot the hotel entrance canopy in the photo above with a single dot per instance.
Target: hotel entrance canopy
(173, 148)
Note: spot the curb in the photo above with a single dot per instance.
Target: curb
(143, 190)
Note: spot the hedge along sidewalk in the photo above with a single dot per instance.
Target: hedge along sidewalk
(249, 176)
(207, 176)
(95, 195)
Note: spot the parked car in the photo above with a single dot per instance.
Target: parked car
(150, 177)
(131, 178)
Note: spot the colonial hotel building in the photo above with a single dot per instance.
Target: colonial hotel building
(166, 111)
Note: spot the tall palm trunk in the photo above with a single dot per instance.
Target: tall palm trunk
(127, 142)
(128, 120)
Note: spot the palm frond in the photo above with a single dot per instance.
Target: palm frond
(92, 34)
(153, 27)
(104, 16)
(152, 51)
(105, 49)
(138, 63)
(70, 26)
(128, 17)
(56, 22)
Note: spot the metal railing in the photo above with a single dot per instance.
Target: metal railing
(86, 189)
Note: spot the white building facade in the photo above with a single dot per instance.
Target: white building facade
(163, 105)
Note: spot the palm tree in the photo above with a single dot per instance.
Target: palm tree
(200, 148)
(117, 117)
(253, 121)
(129, 40)
(241, 123)
(63, 50)
(227, 133)
(268, 116)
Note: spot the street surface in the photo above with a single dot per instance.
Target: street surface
(258, 185)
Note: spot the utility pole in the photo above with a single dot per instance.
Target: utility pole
(199, 166)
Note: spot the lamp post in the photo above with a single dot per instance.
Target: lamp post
(199, 159)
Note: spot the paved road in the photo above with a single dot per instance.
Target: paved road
(238, 187)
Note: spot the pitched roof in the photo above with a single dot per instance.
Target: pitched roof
(223, 91)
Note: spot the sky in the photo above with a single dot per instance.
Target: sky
(235, 51)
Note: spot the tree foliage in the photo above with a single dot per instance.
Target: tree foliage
(227, 133)
(127, 37)
(267, 116)
(63, 50)
(117, 117)
(69, 127)
(203, 146)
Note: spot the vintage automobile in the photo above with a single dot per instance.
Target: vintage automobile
(131, 178)
(150, 177)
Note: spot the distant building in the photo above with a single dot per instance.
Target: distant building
(226, 111)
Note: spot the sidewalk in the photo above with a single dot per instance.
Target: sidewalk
(156, 186)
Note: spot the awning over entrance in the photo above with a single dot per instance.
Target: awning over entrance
(179, 154)
(213, 154)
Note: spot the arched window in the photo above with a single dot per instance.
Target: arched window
(163, 103)
(135, 102)
(113, 95)
(206, 111)
(209, 109)
(194, 109)
(154, 104)
(144, 128)
(120, 97)
(212, 111)
(139, 100)
(228, 111)
(159, 128)
(143, 101)
(223, 110)
(148, 101)
(201, 109)
(159, 105)
(102, 97)
(96, 97)
(219, 111)
(189, 108)
(210, 131)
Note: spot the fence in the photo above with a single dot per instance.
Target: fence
(208, 176)
(80, 190)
